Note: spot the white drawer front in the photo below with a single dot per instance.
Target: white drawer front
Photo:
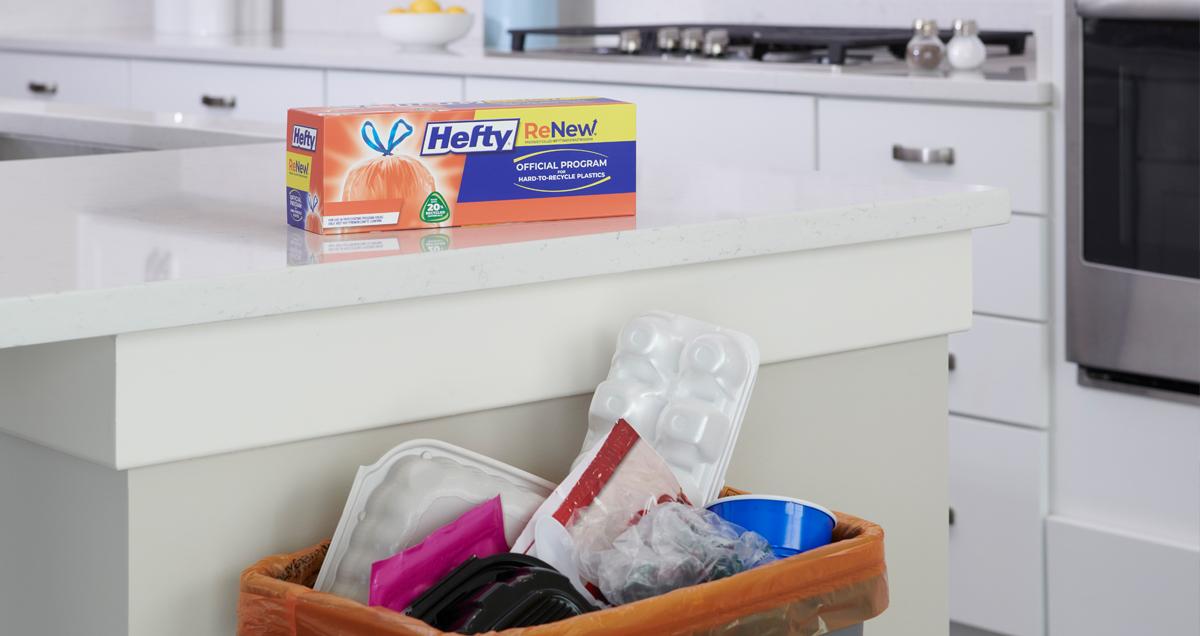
(1010, 268)
(681, 133)
(1001, 371)
(351, 88)
(65, 78)
(1001, 147)
(242, 92)
(1108, 583)
(997, 493)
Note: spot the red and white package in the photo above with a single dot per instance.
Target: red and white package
(610, 488)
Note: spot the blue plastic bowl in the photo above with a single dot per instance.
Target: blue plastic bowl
(790, 526)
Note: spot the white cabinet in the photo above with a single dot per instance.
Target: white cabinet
(689, 135)
(353, 88)
(225, 90)
(65, 78)
(1104, 582)
(1000, 371)
(1011, 271)
(1004, 147)
(997, 486)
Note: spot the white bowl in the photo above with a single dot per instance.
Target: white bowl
(424, 30)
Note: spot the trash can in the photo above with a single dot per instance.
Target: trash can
(823, 590)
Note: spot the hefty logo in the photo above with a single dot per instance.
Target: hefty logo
(304, 138)
(464, 137)
(560, 129)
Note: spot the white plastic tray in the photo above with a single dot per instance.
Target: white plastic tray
(684, 385)
(414, 489)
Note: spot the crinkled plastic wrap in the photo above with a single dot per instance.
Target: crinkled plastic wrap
(822, 590)
(671, 546)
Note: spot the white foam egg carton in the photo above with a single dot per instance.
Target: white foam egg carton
(414, 489)
(684, 385)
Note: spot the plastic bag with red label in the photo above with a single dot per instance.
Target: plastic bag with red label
(610, 488)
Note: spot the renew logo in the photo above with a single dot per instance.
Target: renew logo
(560, 130)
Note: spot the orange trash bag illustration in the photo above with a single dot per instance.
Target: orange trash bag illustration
(388, 176)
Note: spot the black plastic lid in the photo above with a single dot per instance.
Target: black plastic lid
(499, 592)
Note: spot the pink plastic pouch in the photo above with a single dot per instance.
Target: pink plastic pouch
(399, 579)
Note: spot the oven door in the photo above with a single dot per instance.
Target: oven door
(1133, 268)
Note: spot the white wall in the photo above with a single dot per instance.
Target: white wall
(324, 15)
(991, 14)
(351, 17)
(18, 15)
(358, 16)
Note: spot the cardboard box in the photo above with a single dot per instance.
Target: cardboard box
(407, 166)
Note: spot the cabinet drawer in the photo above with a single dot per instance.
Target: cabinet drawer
(65, 78)
(225, 90)
(1000, 371)
(350, 88)
(1001, 147)
(1107, 582)
(1010, 269)
(997, 492)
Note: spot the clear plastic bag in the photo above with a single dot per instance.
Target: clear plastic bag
(609, 488)
(672, 546)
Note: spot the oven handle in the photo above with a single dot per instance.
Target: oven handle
(1139, 9)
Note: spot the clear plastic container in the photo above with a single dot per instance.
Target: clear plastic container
(684, 385)
(414, 489)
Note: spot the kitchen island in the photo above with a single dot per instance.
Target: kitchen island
(187, 384)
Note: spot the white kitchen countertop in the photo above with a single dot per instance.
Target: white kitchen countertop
(1004, 80)
(119, 243)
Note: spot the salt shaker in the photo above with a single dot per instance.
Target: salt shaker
(924, 51)
(966, 51)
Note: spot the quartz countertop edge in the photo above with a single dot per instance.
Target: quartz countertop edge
(370, 53)
(85, 313)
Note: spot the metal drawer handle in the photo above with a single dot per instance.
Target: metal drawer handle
(923, 155)
(43, 88)
(952, 515)
(952, 362)
(213, 101)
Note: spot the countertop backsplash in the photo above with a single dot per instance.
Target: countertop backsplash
(20, 15)
(990, 14)
(358, 17)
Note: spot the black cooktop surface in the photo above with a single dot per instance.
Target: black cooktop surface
(831, 45)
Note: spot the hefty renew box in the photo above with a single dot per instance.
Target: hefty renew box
(403, 166)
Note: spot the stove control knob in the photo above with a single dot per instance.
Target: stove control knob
(692, 40)
(631, 41)
(716, 42)
(668, 38)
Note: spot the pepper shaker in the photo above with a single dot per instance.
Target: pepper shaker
(924, 51)
(966, 51)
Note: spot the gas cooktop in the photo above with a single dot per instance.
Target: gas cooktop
(765, 43)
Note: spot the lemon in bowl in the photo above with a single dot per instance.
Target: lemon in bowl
(424, 24)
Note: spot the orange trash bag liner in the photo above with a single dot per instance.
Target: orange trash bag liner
(388, 176)
(822, 590)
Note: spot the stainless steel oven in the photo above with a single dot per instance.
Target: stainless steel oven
(1133, 225)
